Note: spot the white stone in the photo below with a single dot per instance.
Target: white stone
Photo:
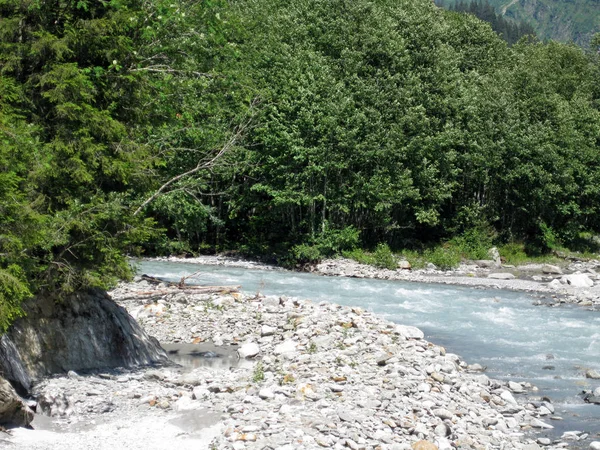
(595, 445)
(285, 348)
(248, 350)
(537, 423)
(550, 269)
(501, 276)
(508, 397)
(409, 332)
(266, 330)
(266, 393)
(578, 280)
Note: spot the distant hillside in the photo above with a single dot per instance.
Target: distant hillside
(561, 20)
(510, 30)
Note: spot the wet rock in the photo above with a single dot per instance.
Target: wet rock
(593, 374)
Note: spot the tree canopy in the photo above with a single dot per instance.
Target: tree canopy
(301, 129)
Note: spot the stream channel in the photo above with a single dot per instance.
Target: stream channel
(549, 347)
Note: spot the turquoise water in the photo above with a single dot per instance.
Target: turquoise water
(550, 347)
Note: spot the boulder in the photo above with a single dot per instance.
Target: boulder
(404, 265)
(485, 263)
(555, 284)
(494, 254)
(83, 331)
(501, 276)
(593, 374)
(13, 411)
(552, 270)
(578, 280)
(409, 332)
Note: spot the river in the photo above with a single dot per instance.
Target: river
(549, 347)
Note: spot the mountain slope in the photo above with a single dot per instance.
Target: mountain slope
(561, 20)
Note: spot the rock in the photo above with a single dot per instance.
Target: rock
(266, 394)
(442, 413)
(409, 332)
(485, 263)
(595, 445)
(551, 270)
(537, 423)
(286, 348)
(555, 284)
(545, 441)
(578, 280)
(515, 387)
(404, 265)
(508, 397)
(200, 393)
(248, 350)
(431, 266)
(501, 276)
(13, 411)
(494, 254)
(424, 445)
(442, 430)
(593, 374)
(266, 330)
(84, 330)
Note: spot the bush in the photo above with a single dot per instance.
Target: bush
(473, 243)
(384, 257)
(444, 257)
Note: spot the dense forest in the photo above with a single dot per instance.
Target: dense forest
(294, 130)
(511, 31)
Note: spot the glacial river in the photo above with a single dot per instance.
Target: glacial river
(550, 347)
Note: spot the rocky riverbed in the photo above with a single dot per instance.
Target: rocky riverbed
(309, 376)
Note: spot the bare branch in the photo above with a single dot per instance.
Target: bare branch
(209, 161)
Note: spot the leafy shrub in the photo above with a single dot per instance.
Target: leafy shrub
(359, 255)
(473, 243)
(384, 257)
(444, 257)
(305, 253)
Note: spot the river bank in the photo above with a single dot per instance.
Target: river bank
(310, 375)
(553, 288)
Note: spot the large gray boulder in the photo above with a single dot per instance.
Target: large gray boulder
(83, 331)
(13, 412)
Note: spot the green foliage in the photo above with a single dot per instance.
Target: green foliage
(515, 253)
(258, 375)
(473, 243)
(13, 290)
(444, 257)
(384, 258)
